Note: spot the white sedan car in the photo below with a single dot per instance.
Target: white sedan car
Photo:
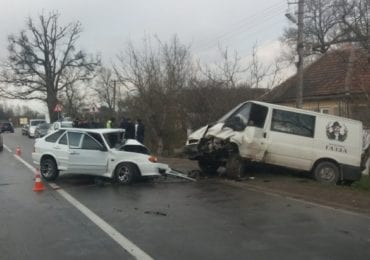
(100, 152)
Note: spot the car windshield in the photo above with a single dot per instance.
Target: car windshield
(114, 139)
(44, 126)
(36, 122)
(66, 124)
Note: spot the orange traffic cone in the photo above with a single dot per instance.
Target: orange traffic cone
(18, 151)
(39, 186)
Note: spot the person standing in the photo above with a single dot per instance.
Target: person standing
(139, 130)
(110, 123)
(130, 129)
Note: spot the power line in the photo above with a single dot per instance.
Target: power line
(243, 25)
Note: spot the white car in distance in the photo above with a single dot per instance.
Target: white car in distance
(99, 152)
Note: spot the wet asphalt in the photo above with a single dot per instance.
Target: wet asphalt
(167, 218)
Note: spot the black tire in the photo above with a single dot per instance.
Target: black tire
(125, 173)
(208, 167)
(48, 169)
(327, 172)
(235, 167)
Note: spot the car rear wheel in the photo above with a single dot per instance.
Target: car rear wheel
(125, 173)
(48, 169)
(327, 172)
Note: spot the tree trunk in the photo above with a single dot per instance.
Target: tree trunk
(160, 146)
(52, 101)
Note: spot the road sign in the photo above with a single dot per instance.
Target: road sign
(58, 108)
(94, 109)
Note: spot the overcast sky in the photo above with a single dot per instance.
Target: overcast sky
(203, 24)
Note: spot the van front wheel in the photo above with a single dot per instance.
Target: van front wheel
(208, 166)
(327, 172)
(235, 166)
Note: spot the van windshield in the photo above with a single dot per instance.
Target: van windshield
(248, 114)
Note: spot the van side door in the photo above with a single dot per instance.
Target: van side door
(290, 139)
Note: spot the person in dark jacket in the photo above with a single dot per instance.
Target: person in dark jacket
(130, 129)
(139, 131)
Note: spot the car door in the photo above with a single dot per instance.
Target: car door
(86, 155)
(290, 139)
(61, 152)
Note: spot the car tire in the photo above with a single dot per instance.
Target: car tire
(235, 166)
(125, 173)
(48, 169)
(327, 172)
(208, 166)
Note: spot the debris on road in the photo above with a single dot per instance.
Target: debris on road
(155, 213)
(178, 174)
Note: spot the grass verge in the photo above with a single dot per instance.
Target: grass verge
(363, 183)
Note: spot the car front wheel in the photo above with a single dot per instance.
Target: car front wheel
(48, 169)
(125, 173)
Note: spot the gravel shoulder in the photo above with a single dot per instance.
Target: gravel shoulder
(291, 184)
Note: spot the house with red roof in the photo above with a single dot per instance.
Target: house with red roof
(338, 83)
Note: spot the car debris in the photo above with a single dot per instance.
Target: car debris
(178, 174)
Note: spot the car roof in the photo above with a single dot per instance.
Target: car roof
(96, 130)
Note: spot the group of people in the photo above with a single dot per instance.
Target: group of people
(133, 130)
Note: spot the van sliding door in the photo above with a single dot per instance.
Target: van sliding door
(290, 139)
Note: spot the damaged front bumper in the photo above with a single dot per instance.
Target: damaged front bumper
(191, 151)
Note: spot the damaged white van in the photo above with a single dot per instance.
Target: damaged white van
(328, 146)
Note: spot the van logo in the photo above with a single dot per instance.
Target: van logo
(336, 131)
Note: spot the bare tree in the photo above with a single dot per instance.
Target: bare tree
(328, 23)
(40, 58)
(105, 88)
(157, 73)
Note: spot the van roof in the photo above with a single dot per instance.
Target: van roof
(304, 111)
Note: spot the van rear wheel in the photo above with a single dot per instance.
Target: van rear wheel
(327, 172)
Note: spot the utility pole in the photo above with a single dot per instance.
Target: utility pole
(114, 95)
(299, 63)
(299, 101)
(368, 30)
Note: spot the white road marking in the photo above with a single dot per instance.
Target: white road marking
(7, 148)
(124, 242)
(113, 233)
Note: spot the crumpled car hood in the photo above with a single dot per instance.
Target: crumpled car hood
(216, 130)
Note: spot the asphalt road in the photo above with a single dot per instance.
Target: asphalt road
(166, 219)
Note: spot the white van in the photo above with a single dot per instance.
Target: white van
(32, 126)
(327, 145)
